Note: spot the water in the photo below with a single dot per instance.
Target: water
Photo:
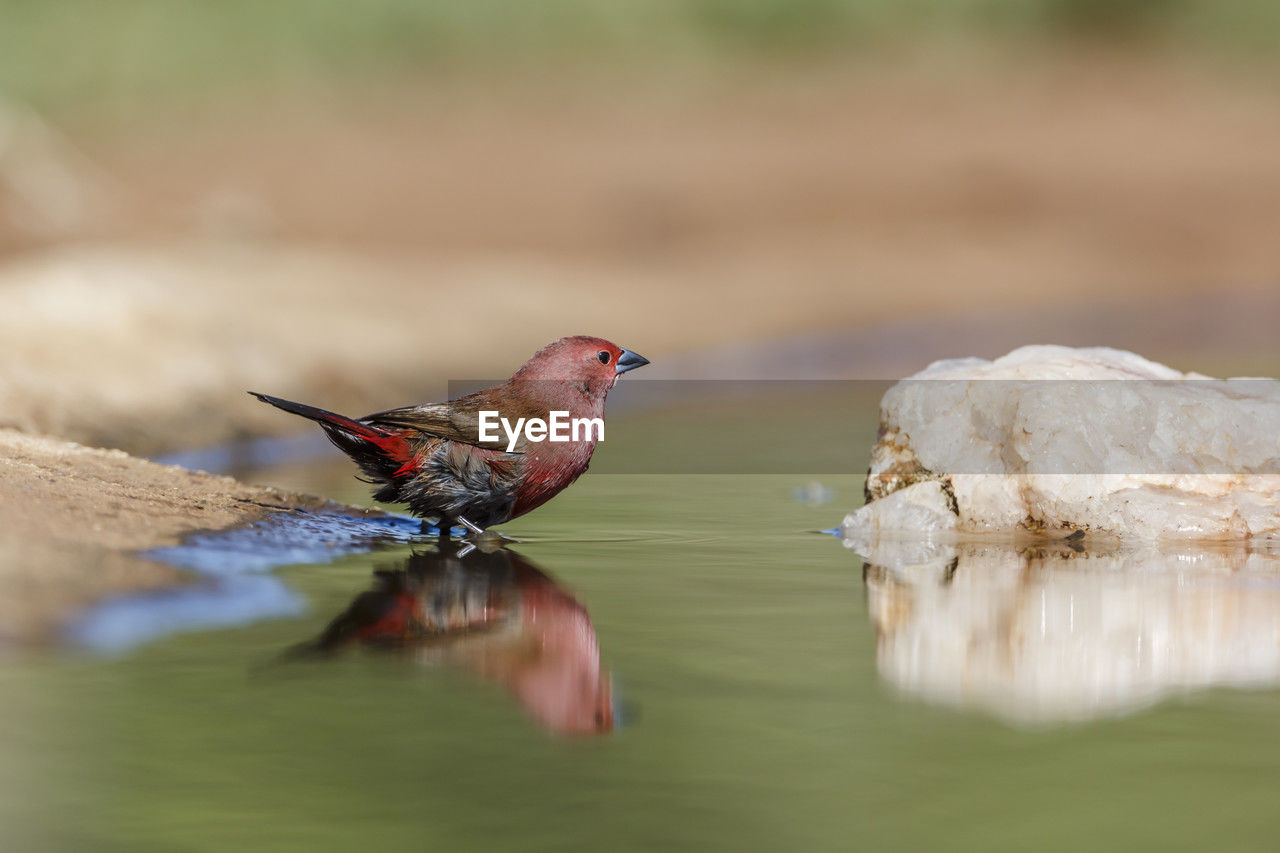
(771, 702)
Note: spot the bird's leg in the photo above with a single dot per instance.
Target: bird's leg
(475, 531)
(479, 537)
(444, 528)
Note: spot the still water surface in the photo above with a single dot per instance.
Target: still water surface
(665, 661)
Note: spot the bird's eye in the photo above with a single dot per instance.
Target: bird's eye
(603, 355)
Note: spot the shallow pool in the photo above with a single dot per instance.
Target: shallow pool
(753, 690)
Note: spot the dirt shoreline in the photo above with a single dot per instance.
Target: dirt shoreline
(75, 518)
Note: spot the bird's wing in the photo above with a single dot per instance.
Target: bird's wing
(457, 421)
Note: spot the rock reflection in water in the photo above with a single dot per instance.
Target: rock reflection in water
(1056, 633)
(494, 614)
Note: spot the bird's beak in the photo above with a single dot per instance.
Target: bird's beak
(629, 361)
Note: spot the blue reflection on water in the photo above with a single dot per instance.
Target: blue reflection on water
(233, 589)
(285, 539)
(250, 453)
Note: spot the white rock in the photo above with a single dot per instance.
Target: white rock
(1054, 635)
(1118, 445)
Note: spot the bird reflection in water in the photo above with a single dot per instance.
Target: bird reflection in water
(1057, 633)
(495, 614)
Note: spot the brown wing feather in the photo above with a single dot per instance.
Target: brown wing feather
(458, 421)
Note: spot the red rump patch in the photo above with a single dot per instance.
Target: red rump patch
(393, 445)
(408, 467)
(397, 448)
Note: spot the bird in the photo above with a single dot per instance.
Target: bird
(494, 613)
(440, 460)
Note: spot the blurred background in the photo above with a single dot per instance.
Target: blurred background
(356, 203)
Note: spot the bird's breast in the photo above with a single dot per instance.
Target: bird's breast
(549, 468)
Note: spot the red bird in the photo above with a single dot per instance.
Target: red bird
(494, 613)
(438, 460)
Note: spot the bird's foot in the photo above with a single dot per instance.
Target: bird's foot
(472, 528)
(479, 537)
(474, 536)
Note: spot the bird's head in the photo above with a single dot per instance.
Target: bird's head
(579, 365)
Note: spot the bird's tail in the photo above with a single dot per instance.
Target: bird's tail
(380, 453)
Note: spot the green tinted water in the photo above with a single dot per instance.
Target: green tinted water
(743, 640)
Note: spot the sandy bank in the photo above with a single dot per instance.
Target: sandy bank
(74, 516)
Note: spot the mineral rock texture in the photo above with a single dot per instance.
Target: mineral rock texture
(1052, 440)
